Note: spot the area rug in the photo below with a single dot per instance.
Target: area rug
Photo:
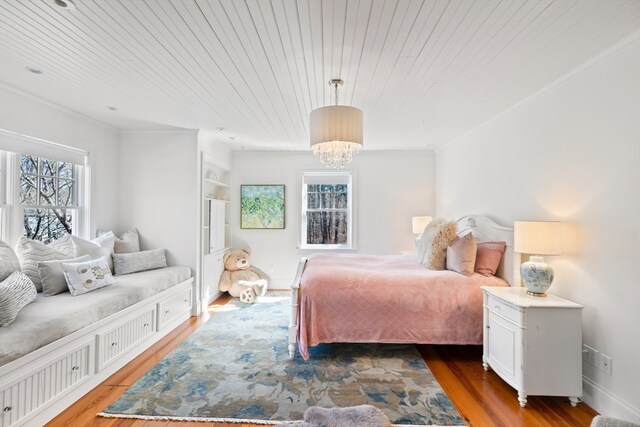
(235, 368)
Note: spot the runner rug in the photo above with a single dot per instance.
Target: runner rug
(235, 368)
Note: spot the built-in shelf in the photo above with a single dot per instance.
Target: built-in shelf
(214, 182)
(219, 200)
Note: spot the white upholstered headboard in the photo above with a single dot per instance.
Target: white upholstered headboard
(485, 230)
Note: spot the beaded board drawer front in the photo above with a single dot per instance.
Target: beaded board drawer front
(118, 340)
(24, 396)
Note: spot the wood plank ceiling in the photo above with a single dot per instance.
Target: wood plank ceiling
(423, 72)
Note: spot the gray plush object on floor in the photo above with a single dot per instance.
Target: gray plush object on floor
(602, 421)
(353, 416)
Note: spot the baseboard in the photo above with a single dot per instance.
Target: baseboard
(606, 403)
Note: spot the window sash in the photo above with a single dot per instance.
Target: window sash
(333, 178)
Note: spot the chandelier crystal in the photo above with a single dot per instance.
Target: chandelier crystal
(336, 132)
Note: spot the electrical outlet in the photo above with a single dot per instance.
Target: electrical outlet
(605, 364)
(590, 355)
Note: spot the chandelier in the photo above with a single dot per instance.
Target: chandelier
(336, 132)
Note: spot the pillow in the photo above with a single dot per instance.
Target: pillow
(87, 276)
(52, 276)
(129, 242)
(101, 246)
(139, 261)
(488, 257)
(8, 261)
(30, 252)
(16, 291)
(461, 255)
(434, 242)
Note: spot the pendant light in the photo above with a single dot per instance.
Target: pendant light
(336, 132)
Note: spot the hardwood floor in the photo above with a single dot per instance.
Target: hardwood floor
(482, 398)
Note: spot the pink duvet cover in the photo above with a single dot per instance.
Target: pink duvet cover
(387, 299)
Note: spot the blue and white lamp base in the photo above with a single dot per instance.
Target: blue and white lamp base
(536, 276)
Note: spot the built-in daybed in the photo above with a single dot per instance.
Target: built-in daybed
(60, 347)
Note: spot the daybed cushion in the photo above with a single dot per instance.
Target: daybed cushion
(50, 318)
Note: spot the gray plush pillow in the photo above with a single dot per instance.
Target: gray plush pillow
(16, 291)
(87, 276)
(30, 252)
(139, 261)
(8, 261)
(129, 242)
(52, 276)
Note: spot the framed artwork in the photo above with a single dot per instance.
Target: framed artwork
(262, 206)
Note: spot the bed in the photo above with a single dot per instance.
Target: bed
(392, 298)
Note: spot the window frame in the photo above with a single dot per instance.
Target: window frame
(12, 210)
(351, 233)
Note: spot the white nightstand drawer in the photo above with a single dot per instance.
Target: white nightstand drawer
(503, 309)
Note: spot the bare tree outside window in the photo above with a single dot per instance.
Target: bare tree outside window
(48, 197)
(326, 210)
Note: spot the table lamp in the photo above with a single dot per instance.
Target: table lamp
(418, 224)
(537, 238)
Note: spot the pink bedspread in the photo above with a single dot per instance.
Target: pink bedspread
(387, 299)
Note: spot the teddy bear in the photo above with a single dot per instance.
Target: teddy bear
(241, 279)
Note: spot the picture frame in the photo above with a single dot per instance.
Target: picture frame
(262, 207)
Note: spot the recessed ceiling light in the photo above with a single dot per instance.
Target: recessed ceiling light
(33, 70)
(65, 4)
(112, 108)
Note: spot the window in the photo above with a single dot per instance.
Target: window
(48, 197)
(327, 210)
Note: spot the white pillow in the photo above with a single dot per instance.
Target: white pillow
(101, 246)
(16, 291)
(9, 262)
(30, 252)
(129, 242)
(52, 276)
(87, 276)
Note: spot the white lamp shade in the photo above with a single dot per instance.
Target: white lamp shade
(336, 123)
(419, 223)
(537, 237)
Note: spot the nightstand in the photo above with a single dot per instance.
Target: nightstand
(533, 343)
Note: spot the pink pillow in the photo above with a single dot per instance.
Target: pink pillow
(488, 257)
(461, 255)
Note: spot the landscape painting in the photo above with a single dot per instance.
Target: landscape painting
(262, 206)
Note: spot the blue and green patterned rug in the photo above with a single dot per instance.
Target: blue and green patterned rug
(235, 367)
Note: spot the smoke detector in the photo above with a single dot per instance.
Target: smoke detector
(65, 4)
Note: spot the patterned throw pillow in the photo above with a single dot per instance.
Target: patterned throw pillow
(461, 254)
(30, 252)
(139, 261)
(16, 291)
(87, 276)
(8, 261)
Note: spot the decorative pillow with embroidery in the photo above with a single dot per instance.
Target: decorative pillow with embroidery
(87, 276)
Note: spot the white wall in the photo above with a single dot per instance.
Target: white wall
(390, 188)
(158, 191)
(571, 154)
(28, 115)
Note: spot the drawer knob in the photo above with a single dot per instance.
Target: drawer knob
(75, 368)
(146, 325)
(7, 409)
(114, 344)
(186, 300)
(166, 312)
